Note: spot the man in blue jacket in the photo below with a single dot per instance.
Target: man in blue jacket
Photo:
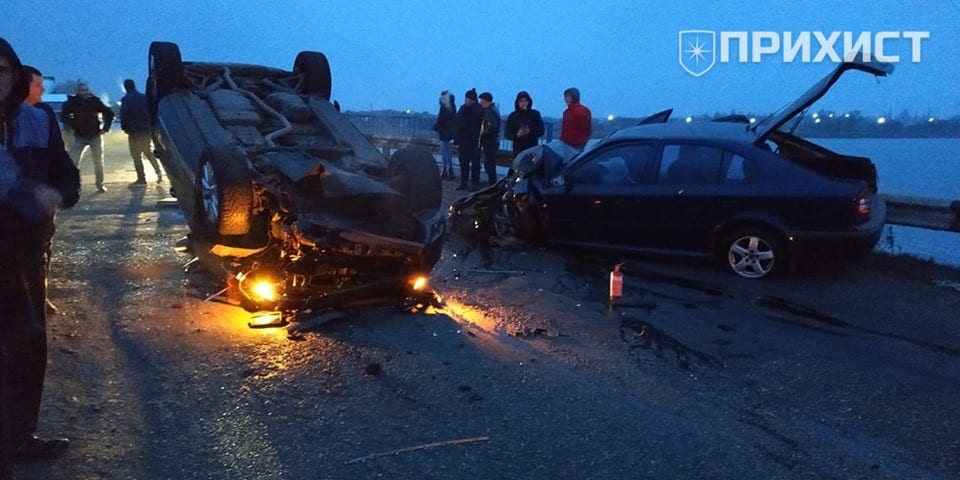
(135, 122)
(36, 176)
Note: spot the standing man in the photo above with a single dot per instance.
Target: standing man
(577, 123)
(524, 124)
(135, 121)
(35, 99)
(82, 113)
(489, 136)
(446, 128)
(36, 176)
(469, 118)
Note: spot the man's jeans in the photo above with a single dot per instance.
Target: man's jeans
(96, 148)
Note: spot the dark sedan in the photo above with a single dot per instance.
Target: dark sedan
(749, 194)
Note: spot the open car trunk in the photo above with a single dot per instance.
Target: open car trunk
(824, 161)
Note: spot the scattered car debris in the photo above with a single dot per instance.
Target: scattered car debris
(425, 446)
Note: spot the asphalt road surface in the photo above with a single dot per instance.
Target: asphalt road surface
(528, 372)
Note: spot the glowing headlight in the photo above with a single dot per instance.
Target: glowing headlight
(264, 290)
(419, 283)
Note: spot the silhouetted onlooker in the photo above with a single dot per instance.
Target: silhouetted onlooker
(36, 176)
(577, 123)
(446, 128)
(82, 113)
(524, 125)
(489, 136)
(135, 122)
(469, 119)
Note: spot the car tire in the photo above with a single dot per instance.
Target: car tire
(752, 252)
(165, 71)
(413, 172)
(316, 73)
(225, 194)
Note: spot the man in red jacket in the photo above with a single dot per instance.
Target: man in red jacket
(577, 121)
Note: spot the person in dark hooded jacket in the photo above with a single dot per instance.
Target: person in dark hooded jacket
(36, 176)
(469, 120)
(525, 125)
(489, 136)
(446, 128)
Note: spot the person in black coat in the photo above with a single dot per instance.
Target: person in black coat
(135, 122)
(82, 113)
(525, 125)
(446, 128)
(469, 119)
(489, 136)
(36, 176)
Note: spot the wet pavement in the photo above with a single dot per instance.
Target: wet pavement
(527, 371)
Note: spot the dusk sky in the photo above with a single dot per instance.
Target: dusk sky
(623, 56)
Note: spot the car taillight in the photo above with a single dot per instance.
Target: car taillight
(862, 203)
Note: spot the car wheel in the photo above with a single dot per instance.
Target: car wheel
(316, 73)
(165, 71)
(752, 253)
(414, 173)
(225, 192)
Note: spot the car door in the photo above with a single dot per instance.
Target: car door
(596, 205)
(687, 199)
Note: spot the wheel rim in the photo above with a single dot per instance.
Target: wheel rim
(751, 256)
(208, 189)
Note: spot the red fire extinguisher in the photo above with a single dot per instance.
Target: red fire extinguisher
(616, 282)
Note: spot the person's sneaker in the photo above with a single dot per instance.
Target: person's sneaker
(139, 183)
(36, 448)
(101, 189)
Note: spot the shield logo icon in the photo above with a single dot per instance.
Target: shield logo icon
(697, 51)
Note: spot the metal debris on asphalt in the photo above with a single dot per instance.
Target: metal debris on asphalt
(418, 447)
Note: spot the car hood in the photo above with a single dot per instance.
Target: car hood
(763, 128)
(552, 156)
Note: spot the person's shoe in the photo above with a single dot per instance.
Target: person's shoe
(101, 189)
(51, 308)
(36, 448)
(139, 183)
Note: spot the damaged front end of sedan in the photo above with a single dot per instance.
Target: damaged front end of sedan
(510, 209)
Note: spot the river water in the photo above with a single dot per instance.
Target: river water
(927, 167)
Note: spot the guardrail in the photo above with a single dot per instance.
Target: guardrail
(928, 213)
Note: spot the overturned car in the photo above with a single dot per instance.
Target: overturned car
(753, 196)
(282, 193)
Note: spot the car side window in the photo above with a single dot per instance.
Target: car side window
(690, 164)
(621, 165)
(737, 169)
